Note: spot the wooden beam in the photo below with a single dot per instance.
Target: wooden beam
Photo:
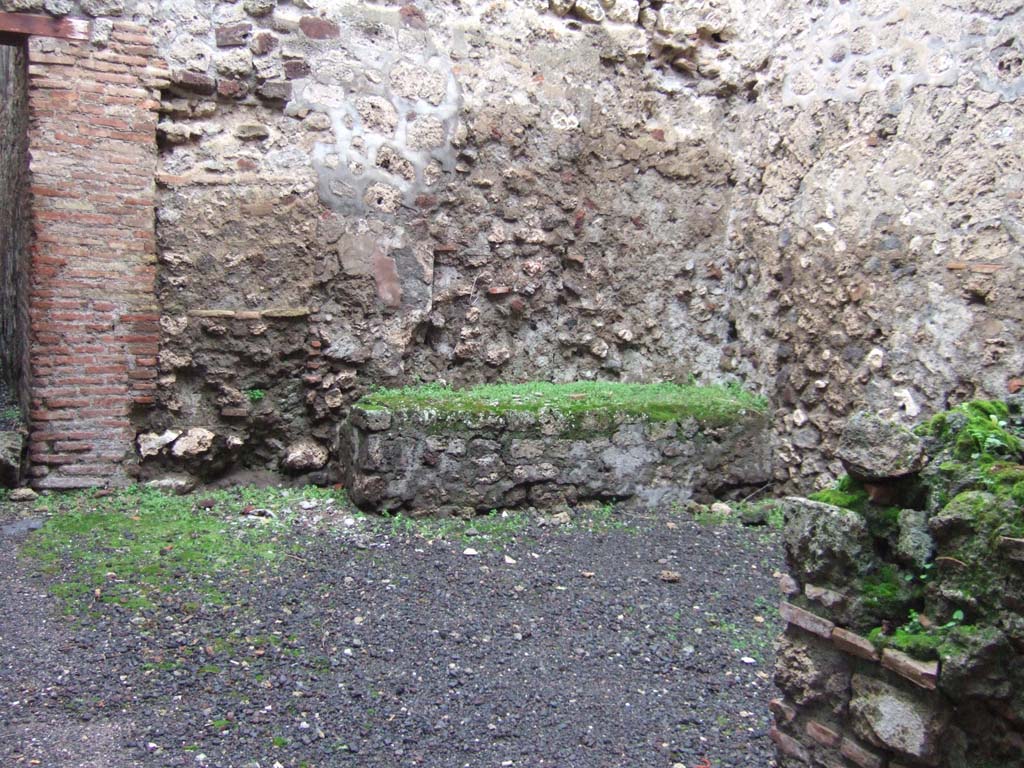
(44, 26)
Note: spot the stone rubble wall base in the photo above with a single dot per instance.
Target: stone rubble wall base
(922, 559)
(432, 465)
(843, 705)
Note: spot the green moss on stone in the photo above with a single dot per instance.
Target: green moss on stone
(712, 405)
(883, 522)
(847, 493)
(919, 645)
(887, 593)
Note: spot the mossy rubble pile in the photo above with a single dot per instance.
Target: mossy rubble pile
(905, 598)
(432, 450)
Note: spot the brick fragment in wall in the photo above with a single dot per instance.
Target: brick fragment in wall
(859, 755)
(788, 745)
(317, 28)
(233, 35)
(822, 734)
(806, 620)
(854, 644)
(782, 711)
(922, 673)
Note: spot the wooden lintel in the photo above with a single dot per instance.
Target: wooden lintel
(44, 26)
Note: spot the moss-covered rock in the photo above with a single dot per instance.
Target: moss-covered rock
(825, 544)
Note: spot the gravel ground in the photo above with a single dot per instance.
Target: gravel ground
(369, 647)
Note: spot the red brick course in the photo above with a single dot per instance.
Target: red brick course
(93, 341)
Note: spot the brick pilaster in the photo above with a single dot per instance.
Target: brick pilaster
(94, 323)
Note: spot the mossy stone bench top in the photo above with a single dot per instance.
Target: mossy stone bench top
(710, 405)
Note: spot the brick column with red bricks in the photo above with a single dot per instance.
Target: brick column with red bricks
(93, 316)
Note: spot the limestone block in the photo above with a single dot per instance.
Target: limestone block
(195, 442)
(888, 717)
(306, 455)
(151, 443)
(873, 449)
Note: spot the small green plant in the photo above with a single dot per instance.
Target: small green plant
(920, 637)
(776, 517)
(10, 413)
(980, 431)
(598, 518)
(255, 395)
(705, 516)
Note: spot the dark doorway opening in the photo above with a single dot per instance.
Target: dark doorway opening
(14, 231)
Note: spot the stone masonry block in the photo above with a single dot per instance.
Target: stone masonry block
(531, 460)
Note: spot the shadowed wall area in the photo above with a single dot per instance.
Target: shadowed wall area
(14, 221)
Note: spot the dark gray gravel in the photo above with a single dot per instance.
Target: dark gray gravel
(368, 649)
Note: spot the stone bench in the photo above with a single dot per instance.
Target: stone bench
(431, 459)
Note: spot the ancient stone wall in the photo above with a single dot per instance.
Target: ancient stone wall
(819, 199)
(905, 623)
(425, 200)
(94, 327)
(886, 213)
(14, 207)
(425, 462)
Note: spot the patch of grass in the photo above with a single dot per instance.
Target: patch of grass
(597, 518)
(10, 413)
(137, 544)
(713, 405)
(705, 516)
